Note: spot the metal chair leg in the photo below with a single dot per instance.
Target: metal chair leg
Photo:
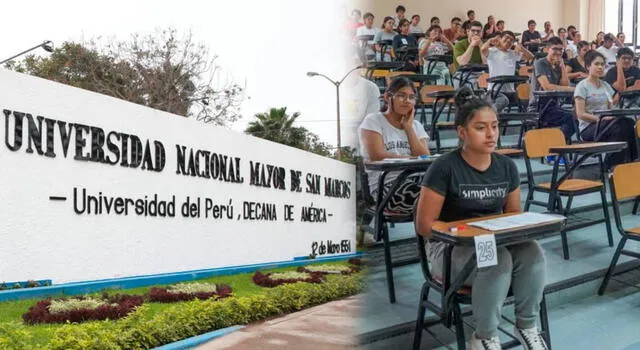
(612, 266)
(565, 245)
(606, 217)
(635, 206)
(457, 319)
(417, 336)
(544, 321)
(388, 264)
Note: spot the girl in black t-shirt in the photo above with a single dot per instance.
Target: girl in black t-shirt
(576, 69)
(474, 181)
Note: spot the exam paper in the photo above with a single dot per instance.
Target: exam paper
(516, 221)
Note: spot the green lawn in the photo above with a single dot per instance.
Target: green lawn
(242, 285)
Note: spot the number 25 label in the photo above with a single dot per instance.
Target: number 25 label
(486, 250)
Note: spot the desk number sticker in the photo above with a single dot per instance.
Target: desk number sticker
(486, 250)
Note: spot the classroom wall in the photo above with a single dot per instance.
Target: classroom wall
(587, 15)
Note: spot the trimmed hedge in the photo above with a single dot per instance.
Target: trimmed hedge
(196, 317)
(123, 305)
(162, 295)
(265, 280)
(348, 271)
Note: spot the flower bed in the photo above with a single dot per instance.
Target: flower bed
(279, 278)
(329, 269)
(188, 291)
(80, 309)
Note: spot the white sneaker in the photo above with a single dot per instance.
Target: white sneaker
(484, 344)
(530, 338)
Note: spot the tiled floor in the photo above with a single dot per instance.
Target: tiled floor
(579, 318)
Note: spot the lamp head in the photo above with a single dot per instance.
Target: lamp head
(47, 46)
(311, 74)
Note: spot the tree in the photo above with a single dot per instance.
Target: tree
(156, 70)
(277, 126)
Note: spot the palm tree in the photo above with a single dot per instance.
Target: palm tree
(277, 126)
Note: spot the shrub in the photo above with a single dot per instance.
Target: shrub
(283, 278)
(329, 269)
(195, 317)
(188, 291)
(80, 309)
(14, 336)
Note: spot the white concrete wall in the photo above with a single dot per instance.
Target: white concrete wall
(46, 239)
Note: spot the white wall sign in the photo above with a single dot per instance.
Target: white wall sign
(93, 187)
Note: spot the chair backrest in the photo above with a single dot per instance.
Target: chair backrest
(390, 75)
(431, 88)
(523, 91)
(525, 71)
(625, 182)
(638, 129)
(537, 142)
(482, 81)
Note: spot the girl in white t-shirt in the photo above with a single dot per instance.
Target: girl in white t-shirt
(395, 134)
(436, 44)
(593, 94)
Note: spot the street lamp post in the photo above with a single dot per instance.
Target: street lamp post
(47, 45)
(336, 83)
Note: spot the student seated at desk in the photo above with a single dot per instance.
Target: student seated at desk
(436, 44)
(404, 41)
(624, 76)
(467, 51)
(550, 73)
(593, 94)
(501, 60)
(395, 134)
(474, 181)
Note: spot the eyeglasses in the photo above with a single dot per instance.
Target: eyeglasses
(403, 97)
(626, 58)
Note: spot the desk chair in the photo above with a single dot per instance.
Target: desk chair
(536, 145)
(427, 102)
(461, 297)
(623, 184)
(387, 218)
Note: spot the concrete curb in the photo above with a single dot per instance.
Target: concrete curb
(192, 342)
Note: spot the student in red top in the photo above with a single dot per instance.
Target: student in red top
(454, 32)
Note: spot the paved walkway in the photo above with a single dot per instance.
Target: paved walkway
(330, 326)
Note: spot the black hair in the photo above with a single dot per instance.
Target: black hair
(582, 44)
(561, 29)
(554, 40)
(475, 24)
(470, 12)
(466, 25)
(400, 8)
(403, 22)
(624, 51)
(467, 104)
(414, 16)
(456, 19)
(398, 83)
(508, 32)
(591, 56)
(367, 15)
(499, 22)
(433, 19)
(385, 20)
(571, 27)
(531, 22)
(618, 35)
(435, 26)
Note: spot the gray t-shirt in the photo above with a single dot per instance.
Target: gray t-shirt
(469, 192)
(595, 97)
(395, 141)
(542, 67)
